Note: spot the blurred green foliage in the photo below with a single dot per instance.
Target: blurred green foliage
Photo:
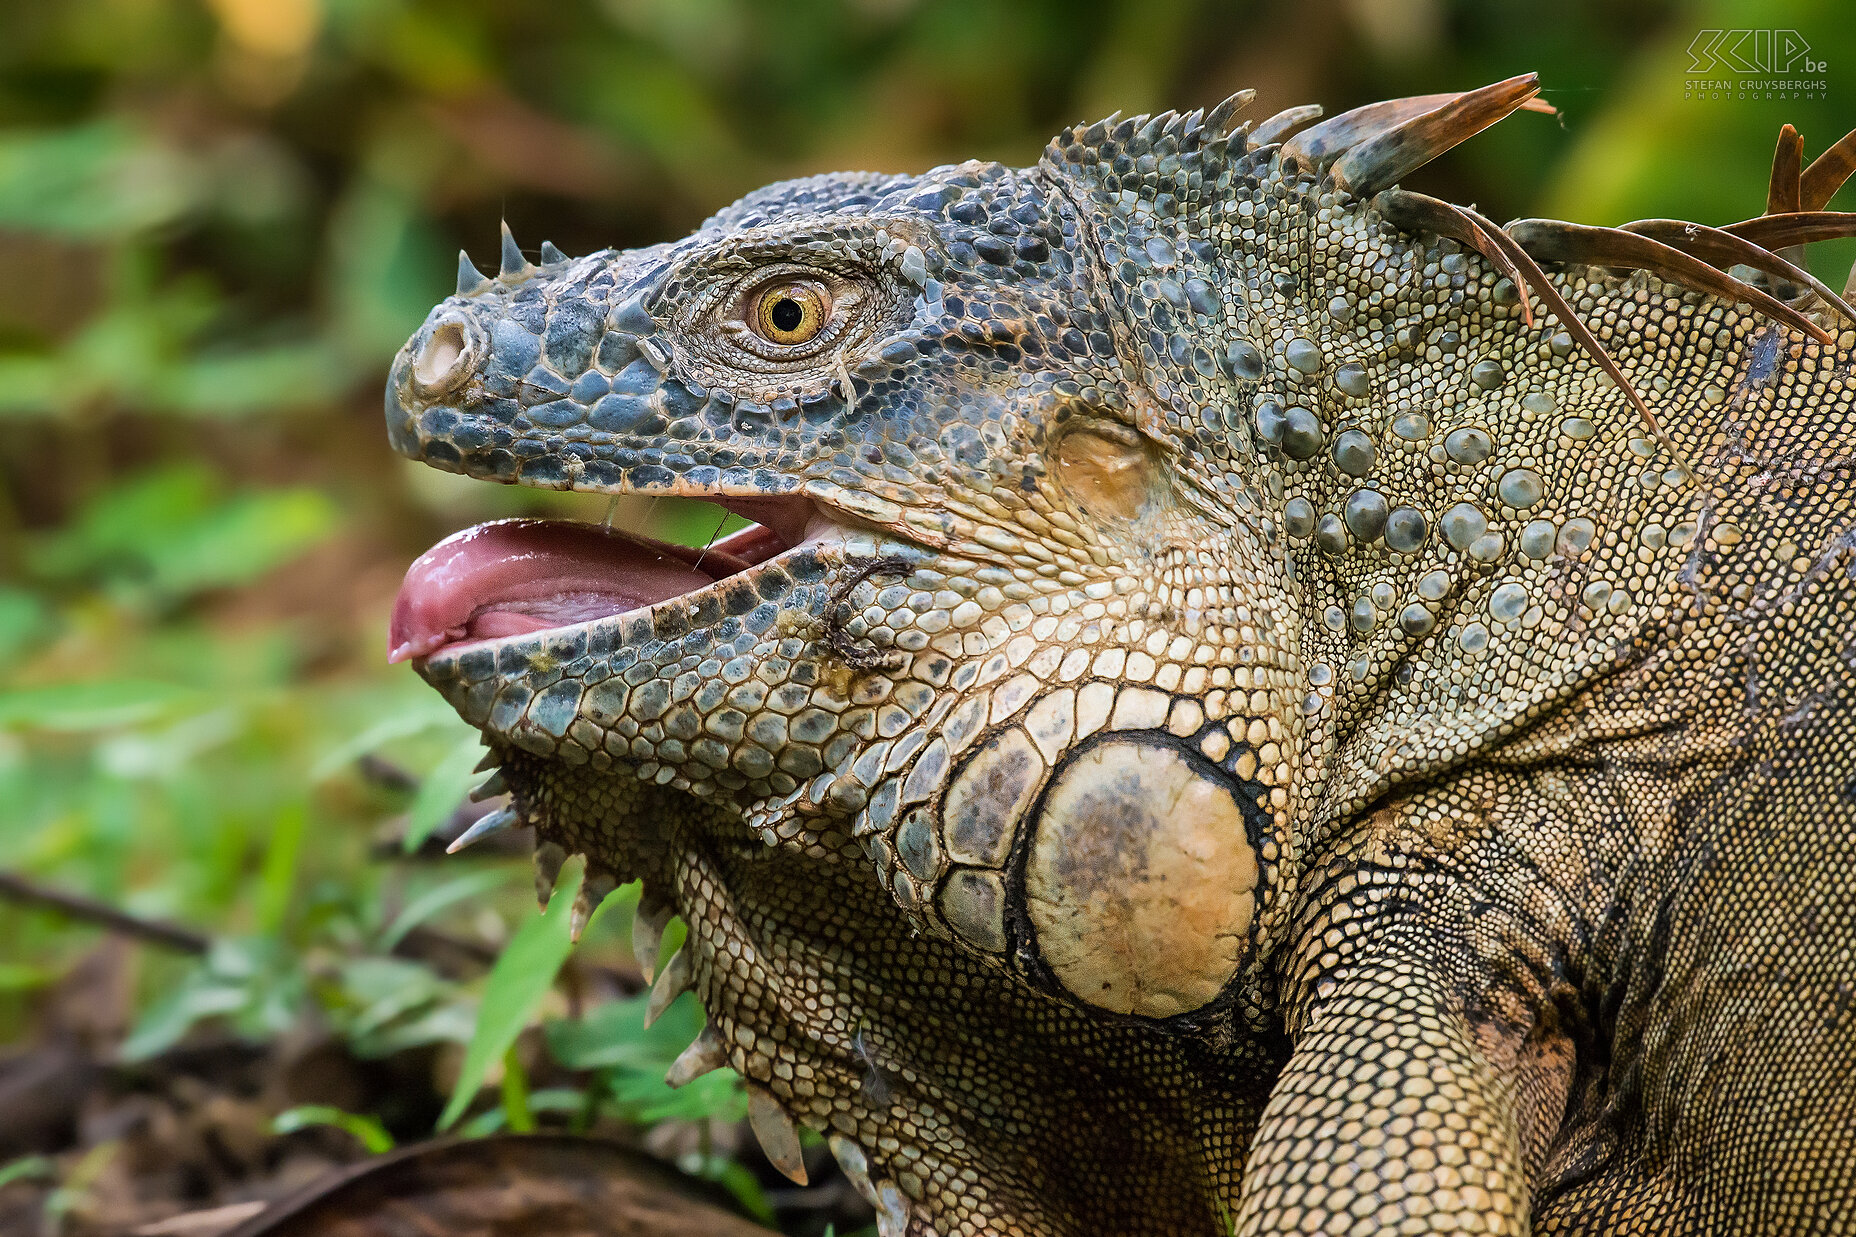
(218, 220)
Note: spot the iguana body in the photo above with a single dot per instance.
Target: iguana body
(1232, 713)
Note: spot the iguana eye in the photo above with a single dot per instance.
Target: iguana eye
(790, 312)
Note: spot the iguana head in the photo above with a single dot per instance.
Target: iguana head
(969, 756)
(1117, 521)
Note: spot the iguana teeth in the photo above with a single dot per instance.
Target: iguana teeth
(648, 931)
(549, 857)
(470, 280)
(778, 1136)
(550, 256)
(491, 787)
(706, 1052)
(855, 1165)
(514, 265)
(671, 984)
(483, 827)
(892, 1210)
(593, 891)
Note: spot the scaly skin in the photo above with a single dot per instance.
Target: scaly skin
(1264, 735)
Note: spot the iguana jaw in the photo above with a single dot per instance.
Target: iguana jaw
(516, 578)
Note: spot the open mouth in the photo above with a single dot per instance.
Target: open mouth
(517, 577)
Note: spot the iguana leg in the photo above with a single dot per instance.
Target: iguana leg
(1389, 1117)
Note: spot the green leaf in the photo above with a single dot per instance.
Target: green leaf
(277, 879)
(26, 1167)
(515, 1094)
(252, 380)
(442, 790)
(162, 1026)
(489, 1121)
(646, 1098)
(93, 180)
(256, 982)
(613, 1038)
(518, 984)
(385, 990)
(171, 533)
(367, 1130)
(22, 977)
(440, 897)
(384, 259)
(100, 705)
(23, 619)
(426, 711)
(614, 1035)
(132, 519)
(241, 539)
(441, 1023)
(735, 1177)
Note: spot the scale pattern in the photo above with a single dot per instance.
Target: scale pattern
(1301, 719)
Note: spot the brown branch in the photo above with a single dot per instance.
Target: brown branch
(17, 888)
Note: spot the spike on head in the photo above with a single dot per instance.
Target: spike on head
(470, 280)
(514, 266)
(551, 256)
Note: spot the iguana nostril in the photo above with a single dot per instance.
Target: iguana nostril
(447, 358)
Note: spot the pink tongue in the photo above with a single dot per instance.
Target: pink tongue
(511, 577)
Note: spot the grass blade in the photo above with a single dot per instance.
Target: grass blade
(518, 984)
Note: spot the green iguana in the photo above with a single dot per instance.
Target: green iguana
(1252, 700)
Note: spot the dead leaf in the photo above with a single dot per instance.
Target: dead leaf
(509, 1185)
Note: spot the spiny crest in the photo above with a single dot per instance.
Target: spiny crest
(1134, 163)
(1372, 147)
(1819, 182)
(1168, 147)
(1364, 153)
